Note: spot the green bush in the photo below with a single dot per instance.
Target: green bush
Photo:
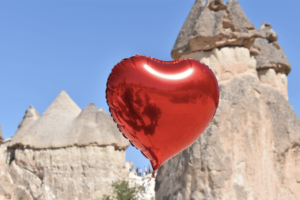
(122, 191)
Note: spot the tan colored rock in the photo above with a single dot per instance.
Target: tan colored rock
(65, 154)
(267, 32)
(96, 126)
(63, 124)
(245, 153)
(67, 173)
(226, 62)
(31, 115)
(6, 182)
(276, 80)
(72, 173)
(129, 166)
(213, 24)
(250, 150)
(147, 182)
(271, 56)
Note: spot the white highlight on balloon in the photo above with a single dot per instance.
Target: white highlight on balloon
(178, 76)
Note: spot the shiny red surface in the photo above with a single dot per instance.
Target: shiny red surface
(161, 107)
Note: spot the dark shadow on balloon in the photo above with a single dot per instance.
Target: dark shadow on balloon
(132, 108)
(153, 113)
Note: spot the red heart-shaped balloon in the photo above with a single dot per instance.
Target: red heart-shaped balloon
(161, 107)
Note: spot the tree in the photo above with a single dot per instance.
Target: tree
(122, 191)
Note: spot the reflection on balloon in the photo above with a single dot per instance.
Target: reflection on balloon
(161, 107)
(177, 76)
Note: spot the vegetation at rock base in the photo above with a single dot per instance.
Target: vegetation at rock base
(122, 191)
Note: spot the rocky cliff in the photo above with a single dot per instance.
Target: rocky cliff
(6, 183)
(66, 153)
(251, 149)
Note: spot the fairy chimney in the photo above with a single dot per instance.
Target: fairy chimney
(66, 152)
(251, 148)
(64, 124)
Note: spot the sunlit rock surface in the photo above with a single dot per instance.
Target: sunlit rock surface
(251, 149)
(66, 153)
(63, 124)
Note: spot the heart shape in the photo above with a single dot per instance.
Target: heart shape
(161, 106)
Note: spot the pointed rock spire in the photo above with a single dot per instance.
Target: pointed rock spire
(271, 55)
(95, 126)
(64, 124)
(189, 25)
(62, 103)
(240, 21)
(122, 143)
(214, 24)
(52, 128)
(30, 116)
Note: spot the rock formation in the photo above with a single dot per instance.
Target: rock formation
(251, 149)
(6, 183)
(212, 24)
(66, 153)
(147, 182)
(63, 124)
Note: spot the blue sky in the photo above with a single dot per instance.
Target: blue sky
(49, 46)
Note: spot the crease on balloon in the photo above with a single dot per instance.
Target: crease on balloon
(132, 62)
(122, 64)
(190, 63)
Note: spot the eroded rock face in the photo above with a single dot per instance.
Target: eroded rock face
(271, 55)
(266, 31)
(251, 148)
(66, 173)
(274, 79)
(6, 182)
(147, 182)
(66, 154)
(245, 153)
(213, 24)
(228, 62)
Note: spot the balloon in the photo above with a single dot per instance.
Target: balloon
(161, 106)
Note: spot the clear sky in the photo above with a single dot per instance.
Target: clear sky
(50, 45)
